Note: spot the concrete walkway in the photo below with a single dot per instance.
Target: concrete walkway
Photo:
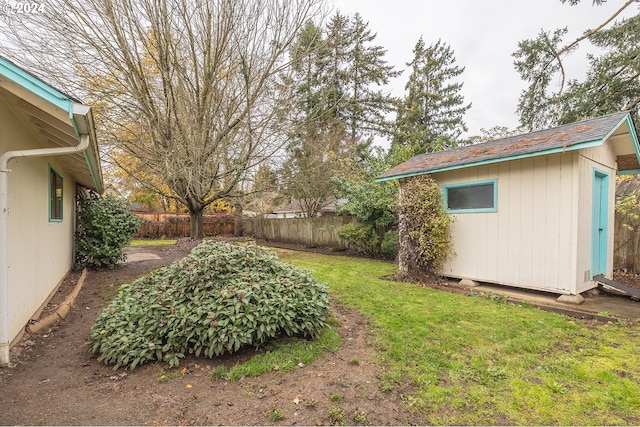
(138, 253)
(597, 304)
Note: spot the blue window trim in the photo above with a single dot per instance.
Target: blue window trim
(51, 196)
(445, 192)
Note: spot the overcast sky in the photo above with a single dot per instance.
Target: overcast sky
(483, 34)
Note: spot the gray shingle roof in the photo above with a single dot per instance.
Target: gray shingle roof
(534, 143)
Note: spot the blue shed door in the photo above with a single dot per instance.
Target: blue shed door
(600, 221)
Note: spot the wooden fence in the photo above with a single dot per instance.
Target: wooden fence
(174, 225)
(318, 231)
(627, 230)
(626, 245)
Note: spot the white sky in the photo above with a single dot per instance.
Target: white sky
(482, 34)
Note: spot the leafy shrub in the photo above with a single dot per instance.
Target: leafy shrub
(218, 299)
(362, 236)
(105, 227)
(425, 232)
(389, 245)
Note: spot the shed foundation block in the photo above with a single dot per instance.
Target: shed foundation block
(571, 299)
(467, 283)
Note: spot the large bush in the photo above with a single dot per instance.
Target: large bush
(372, 203)
(362, 236)
(218, 299)
(389, 245)
(105, 227)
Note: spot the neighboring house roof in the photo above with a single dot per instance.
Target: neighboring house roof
(56, 120)
(583, 134)
(330, 206)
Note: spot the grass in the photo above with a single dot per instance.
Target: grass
(275, 415)
(336, 397)
(360, 417)
(152, 242)
(336, 416)
(284, 355)
(478, 361)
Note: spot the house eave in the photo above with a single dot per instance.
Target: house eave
(56, 119)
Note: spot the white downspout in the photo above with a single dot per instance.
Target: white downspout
(5, 158)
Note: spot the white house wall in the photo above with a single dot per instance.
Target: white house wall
(40, 251)
(530, 240)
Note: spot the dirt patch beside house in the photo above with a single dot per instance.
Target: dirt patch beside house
(58, 381)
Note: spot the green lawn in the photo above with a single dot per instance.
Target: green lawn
(152, 242)
(477, 361)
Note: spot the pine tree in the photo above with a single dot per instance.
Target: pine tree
(316, 135)
(338, 107)
(611, 83)
(368, 105)
(357, 74)
(430, 118)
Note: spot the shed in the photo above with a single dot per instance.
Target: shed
(48, 150)
(536, 210)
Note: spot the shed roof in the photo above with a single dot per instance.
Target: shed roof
(583, 134)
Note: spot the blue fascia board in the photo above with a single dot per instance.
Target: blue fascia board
(36, 86)
(632, 134)
(629, 172)
(582, 145)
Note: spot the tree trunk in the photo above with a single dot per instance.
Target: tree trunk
(196, 225)
(408, 267)
(238, 229)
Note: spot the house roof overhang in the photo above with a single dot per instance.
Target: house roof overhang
(55, 120)
(617, 128)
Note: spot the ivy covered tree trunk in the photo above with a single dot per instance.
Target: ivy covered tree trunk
(424, 240)
(407, 252)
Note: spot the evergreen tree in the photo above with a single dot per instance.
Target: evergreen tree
(367, 104)
(611, 83)
(430, 118)
(338, 106)
(356, 76)
(316, 134)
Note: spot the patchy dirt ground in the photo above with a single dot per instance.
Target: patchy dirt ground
(57, 381)
(628, 278)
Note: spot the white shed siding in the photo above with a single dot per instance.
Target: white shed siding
(528, 241)
(40, 251)
(603, 159)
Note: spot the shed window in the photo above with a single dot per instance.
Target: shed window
(471, 197)
(55, 196)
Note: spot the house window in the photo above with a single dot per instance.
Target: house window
(55, 196)
(469, 197)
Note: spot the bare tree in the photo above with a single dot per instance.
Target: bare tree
(190, 88)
